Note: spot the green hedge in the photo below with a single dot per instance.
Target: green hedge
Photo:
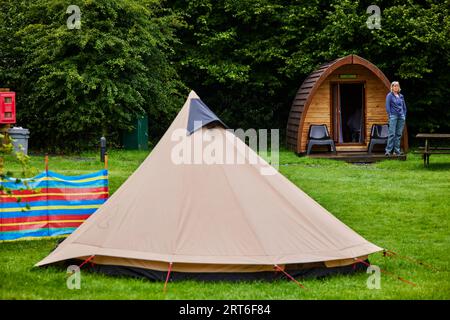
(246, 59)
(74, 85)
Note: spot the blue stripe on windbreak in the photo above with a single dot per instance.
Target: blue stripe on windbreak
(35, 233)
(36, 177)
(67, 184)
(27, 213)
(11, 182)
(75, 178)
(39, 184)
(32, 204)
(56, 184)
(60, 231)
(23, 233)
(60, 176)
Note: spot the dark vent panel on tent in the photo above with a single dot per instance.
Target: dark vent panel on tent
(200, 115)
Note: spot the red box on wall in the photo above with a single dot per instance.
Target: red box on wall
(7, 107)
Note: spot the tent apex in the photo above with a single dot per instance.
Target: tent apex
(193, 95)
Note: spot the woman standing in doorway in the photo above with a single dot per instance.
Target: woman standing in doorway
(396, 109)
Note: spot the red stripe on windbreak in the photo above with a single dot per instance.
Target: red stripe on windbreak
(45, 218)
(58, 190)
(41, 225)
(58, 197)
(25, 227)
(65, 224)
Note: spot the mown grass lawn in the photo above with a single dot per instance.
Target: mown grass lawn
(399, 205)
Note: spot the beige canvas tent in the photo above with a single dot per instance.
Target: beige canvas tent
(210, 219)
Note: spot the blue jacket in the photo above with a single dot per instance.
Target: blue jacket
(395, 106)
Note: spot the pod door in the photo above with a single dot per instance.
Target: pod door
(348, 110)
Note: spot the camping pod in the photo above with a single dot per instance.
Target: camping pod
(212, 220)
(347, 95)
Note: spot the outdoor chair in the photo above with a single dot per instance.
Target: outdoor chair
(378, 135)
(318, 135)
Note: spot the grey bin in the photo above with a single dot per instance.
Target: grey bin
(19, 137)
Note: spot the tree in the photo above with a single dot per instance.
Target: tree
(412, 46)
(74, 85)
(247, 58)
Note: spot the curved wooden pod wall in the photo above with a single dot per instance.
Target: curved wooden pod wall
(312, 103)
